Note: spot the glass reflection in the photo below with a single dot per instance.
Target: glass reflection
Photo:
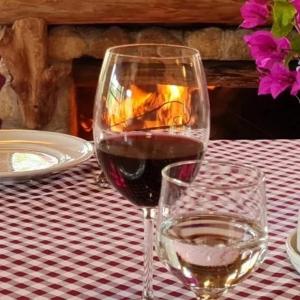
(23, 161)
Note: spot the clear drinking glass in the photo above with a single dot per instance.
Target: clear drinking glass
(212, 230)
(151, 109)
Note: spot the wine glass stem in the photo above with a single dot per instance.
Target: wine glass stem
(149, 214)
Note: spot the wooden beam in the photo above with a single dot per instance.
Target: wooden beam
(219, 73)
(24, 50)
(123, 11)
(234, 74)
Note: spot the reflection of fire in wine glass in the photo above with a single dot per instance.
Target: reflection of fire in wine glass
(212, 229)
(151, 110)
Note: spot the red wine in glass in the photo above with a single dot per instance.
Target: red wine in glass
(133, 162)
(151, 109)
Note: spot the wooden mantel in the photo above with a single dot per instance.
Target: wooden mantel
(123, 11)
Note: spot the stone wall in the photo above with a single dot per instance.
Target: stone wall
(69, 42)
(66, 43)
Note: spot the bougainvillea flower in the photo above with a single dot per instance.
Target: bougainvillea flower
(296, 86)
(296, 3)
(254, 13)
(266, 49)
(264, 87)
(297, 20)
(277, 80)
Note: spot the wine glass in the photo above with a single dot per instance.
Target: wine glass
(212, 230)
(151, 109)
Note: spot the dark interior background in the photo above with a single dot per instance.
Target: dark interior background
(241, 114)
(236, 113)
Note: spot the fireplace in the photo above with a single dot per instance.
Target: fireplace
(59, 47)
(236, 113)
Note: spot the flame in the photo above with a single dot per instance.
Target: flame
(138, 109)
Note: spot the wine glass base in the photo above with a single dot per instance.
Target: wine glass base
(208, 294)
(101, 181)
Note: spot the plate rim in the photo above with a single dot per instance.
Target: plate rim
(62, 166)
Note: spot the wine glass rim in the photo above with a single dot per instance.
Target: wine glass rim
(113, 50)
(259, 175)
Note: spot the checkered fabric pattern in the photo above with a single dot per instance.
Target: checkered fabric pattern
(62, 237)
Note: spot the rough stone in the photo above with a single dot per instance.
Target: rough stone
(66, 43)
(98, 40)
(208, 41)
(233, 45)
(157, 35)
(63, 113)
(10, 113)
(69, 42)
(11, 117)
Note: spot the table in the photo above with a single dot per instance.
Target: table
(63, 238)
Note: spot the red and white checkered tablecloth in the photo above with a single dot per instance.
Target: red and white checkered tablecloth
(62, 237)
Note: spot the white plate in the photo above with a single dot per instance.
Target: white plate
(27, 154)
(291, 249)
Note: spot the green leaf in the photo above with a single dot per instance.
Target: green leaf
(295, 41)
(283, 17)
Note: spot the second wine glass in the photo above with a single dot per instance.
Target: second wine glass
(151, 109)
(212, 229)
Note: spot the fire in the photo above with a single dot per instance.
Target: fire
(168, 106)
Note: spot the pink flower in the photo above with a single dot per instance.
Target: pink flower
(266, 49)
(297, 19)
(296, 3)
(269, 52)
(296, 86)
(279, 79)
(255, 13)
